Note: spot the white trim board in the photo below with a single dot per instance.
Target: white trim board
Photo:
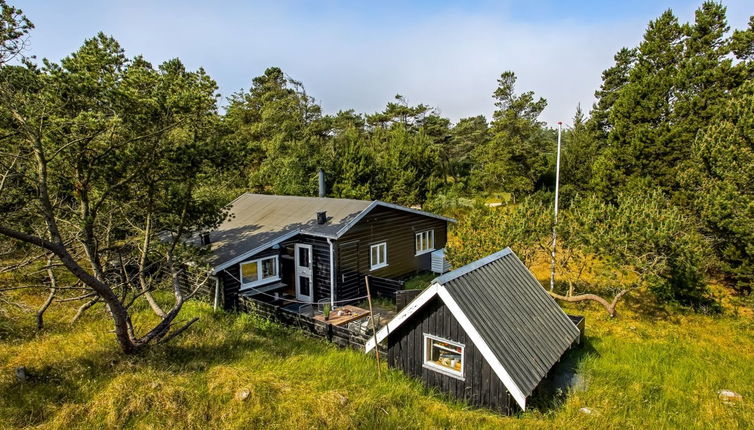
(439, 290)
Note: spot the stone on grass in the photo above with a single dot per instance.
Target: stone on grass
(589, 411)
(729, 397)
(242, 395)
(21, 375)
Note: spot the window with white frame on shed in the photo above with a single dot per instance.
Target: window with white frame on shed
(257, 272)
(425, 241)
(378, 255)
(444, 356)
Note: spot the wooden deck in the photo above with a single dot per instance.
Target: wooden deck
(349, 313)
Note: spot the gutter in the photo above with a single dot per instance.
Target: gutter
(332, 273)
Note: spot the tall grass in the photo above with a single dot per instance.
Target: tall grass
(641, 372)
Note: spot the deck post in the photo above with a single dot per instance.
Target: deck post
(374, 329)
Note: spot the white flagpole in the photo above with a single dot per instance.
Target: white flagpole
(555, 215)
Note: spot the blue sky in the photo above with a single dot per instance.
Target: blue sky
(358, 54)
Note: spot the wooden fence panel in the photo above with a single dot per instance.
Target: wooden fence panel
(341, 336)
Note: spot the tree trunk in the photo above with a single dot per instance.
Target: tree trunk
(610, 307)
(142, 269)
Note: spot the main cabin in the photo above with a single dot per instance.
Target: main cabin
(486, 333)
(316, 249)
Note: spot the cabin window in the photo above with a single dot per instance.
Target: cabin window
(444, 356)
(259, 272)
(378, 256)
(425, 241)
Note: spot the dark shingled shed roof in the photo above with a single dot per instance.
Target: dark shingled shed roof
(523, 326)
(519, 329)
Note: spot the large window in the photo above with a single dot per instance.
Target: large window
(259, 272)
(443, 356)
(425, 241)
(378, 256)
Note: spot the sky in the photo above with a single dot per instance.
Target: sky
(359, 54)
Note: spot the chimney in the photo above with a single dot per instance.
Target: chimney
(321, 183)
(205, 238)
(321, 217)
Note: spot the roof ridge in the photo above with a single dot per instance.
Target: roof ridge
(304, 197)
(457, 273)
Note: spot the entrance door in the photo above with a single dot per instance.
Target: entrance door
(304, 278)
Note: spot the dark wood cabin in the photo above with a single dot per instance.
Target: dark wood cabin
(316, 249)
(486, 333)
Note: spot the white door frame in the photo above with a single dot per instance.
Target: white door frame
(304, 271)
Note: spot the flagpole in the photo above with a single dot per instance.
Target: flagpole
(555, 214)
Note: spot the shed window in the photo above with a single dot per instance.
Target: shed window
(257, 272)
(378, 256)
(444, 356)
(425, 241)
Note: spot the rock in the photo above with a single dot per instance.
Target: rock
(21, 375)
(243, 395)
(589, 411)
(729, 397)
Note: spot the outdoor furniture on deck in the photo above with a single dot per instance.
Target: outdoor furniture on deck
(351, 313)
(321, 304)
(307, 310)
(365, 326)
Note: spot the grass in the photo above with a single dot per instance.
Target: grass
(419, 282)
(644, 370)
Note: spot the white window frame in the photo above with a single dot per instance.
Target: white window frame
(261, 280)
(420, 237)
(379, 264)
(429, 364)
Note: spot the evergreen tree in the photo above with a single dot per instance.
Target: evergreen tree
(520, 151)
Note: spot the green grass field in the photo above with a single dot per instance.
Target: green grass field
(641, 372)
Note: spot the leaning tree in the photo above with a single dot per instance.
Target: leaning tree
(104, 163)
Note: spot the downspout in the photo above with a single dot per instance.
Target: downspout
(217, 293)
(332, 274)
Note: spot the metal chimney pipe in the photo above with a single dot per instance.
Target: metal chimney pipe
(321, 183)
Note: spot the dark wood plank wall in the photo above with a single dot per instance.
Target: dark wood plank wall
(397, 228)
(480, 387)
(230, 277)
(321, 262)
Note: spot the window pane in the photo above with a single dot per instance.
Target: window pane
(431, 239)
(249, 272)
(381, 250)
(445, 355)
(304, 286)
(269, 268)
(418, 242)
(303, 257)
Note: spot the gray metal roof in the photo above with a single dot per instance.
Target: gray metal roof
(257, 221)
(523, 326)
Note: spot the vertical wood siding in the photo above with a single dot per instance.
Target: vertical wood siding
(398, 229)
(480, 387)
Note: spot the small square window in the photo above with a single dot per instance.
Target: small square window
(425, 241)
(443, 356)
(378, 256)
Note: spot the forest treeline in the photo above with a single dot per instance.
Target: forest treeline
(109, 162)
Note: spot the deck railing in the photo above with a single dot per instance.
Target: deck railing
(339, 335)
